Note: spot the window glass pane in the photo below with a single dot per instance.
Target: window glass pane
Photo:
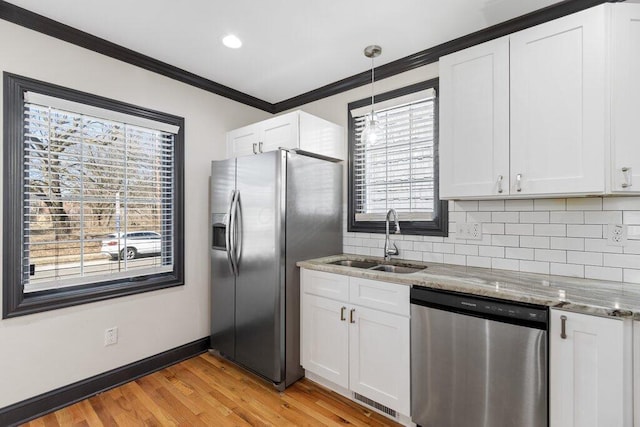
(91, 186)
(398, 171)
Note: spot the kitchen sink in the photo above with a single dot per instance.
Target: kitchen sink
(400, 269)
(355, 264)
(377, 266)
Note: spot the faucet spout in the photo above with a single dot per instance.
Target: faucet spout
(388, 251)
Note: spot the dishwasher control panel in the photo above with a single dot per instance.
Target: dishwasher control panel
(479, 306)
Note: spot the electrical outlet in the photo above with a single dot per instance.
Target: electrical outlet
(469, 231)
(616, 235)
(111, 336)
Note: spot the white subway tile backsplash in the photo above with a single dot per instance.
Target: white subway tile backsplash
(505, 264)
(534, 217)
(631, 275)
(567, 243)
(519, 253)
(466, 205)
(564, 237)
(558, 230)
(444, 247)
(505, 240)
(491, 205)
(574, 230)
(455, 259)
(512, 217)
(620, 260)
(621, 203)
(585, 258)
(540, 242)
(491, 251)
(568, 217)
(477, 261)
(534, 267)
(631, 217)
(423, 246)
(520, 229)
(572, 270)
(549, 204)
(603, 273)
(492, 228)
(518, 205)
(584, 204)
(603, 217)
(551, 255)
(600, 245)
(433, 257)
(466, 249)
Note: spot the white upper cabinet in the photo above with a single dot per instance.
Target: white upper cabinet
(625, 87)
(558, 106)
(295, 130)
(572, 114)
(474, 121)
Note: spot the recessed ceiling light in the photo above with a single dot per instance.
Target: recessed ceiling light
(232, 41)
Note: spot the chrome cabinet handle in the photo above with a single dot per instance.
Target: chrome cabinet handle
(342, 309)
(260, 147)
(351, 320)
(519, 182)
(500, 184)
(254, 148)
(563, 331)
(627, 177)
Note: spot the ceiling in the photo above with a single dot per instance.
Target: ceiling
(290, 47)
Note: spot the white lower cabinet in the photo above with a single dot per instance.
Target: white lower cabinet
(360, 342)
(590, 381)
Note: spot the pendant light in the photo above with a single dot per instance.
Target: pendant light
(372, 132)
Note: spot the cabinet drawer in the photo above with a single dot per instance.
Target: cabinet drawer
(379, 295)
(329, 285)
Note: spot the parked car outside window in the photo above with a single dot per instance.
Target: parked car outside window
(132, 244)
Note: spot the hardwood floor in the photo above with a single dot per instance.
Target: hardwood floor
(209, 391)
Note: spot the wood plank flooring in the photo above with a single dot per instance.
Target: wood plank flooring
(210, 391)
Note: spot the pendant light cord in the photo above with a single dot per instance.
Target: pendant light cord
(372, 90)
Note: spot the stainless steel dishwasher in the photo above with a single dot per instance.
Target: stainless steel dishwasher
(477, 362)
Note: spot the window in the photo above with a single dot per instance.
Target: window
(400, 171)
(93, 198)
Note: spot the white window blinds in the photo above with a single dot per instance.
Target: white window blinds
(398, 171)
(94, 188)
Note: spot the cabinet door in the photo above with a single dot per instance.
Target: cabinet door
(625, 135)
(379, 354)
(474, 121)
(586, 371)
(243, 141)
(325, 342)
(281, 131)
(558, 105)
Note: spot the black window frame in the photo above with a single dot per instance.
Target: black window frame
(15, 302)
(440, 223)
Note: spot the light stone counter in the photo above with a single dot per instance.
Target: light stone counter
(600, 298)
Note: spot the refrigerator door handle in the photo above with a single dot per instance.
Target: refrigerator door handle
(228, 236)
(237, 232)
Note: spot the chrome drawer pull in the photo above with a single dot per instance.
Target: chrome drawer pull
(342, 318)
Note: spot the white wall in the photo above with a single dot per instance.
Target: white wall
(44, 351)
(553, 236)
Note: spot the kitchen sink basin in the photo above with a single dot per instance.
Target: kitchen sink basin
(355, 264)
(378, 266)
(400, 269)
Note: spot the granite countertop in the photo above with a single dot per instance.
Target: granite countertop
(600, 298)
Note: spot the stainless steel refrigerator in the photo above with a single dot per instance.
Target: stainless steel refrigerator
(268, 211)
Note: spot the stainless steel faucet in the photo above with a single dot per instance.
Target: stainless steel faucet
(387, 250)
